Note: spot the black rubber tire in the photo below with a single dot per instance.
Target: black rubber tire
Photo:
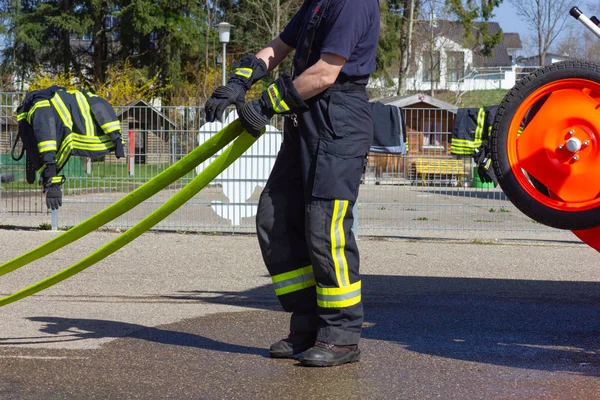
(571, 220)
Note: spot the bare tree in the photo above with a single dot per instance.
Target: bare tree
(410, 11)
(547, 19)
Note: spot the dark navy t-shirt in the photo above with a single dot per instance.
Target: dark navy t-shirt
(348, 28)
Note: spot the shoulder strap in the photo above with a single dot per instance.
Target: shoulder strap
(305, 48)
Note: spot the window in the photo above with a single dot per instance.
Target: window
(455, 65)
(431, 66)
(432, 135)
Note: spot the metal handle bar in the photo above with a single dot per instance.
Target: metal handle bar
(591, 25)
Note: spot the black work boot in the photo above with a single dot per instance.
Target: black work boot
(328, 355)
(295, 343)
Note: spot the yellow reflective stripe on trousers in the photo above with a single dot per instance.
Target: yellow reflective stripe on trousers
(338, 242)
(244, 72)
(111, 127)
(339, 297)
(57, 179)
(84, 107)
(293, 281)
(62, 111)
(278, 104)
(39, 104)
(47, 145)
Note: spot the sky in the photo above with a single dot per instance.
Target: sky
(506, 16)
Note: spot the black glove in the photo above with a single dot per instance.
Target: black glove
(249, 70)
(281, 97)
(115, 137)
(53, 197)
(485, 170)
(52, 190)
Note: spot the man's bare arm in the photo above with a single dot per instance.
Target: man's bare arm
(320, 76)
(274, 53)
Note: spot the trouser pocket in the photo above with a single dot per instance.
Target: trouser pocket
(338, 170)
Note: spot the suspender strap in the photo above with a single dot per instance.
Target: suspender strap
(305, 48)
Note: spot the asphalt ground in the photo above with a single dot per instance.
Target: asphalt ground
(459, 315)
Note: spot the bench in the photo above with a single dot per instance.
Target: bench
(429, 169)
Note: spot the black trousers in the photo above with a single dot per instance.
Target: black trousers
(304, 219)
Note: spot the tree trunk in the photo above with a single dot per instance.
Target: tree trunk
(406, 33)
(66, 42)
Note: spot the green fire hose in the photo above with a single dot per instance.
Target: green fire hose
(232, 153)
(147, 190)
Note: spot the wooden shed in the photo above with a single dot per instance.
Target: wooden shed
(429, 123)
(151, 131)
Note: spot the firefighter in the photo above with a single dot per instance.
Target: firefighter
(55, 123)
(304, 218)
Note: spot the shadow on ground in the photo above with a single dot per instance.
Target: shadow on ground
(470, 193)
(544, 325)
(518, 323)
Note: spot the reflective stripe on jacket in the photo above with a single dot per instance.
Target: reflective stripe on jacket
(66, 122)
(472, 126)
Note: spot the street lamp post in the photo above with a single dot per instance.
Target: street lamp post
(224, 31)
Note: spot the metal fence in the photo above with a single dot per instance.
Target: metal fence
(394, 195)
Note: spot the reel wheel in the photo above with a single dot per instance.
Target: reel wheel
(546, 145)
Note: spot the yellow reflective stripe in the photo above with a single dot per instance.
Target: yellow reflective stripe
(295, 287)
(111, 127)
(62, 111)
(39, 104)
(293, 281)
(84, 107)
(480, 123)
(81, 142)
(462, 152)
(47, 145)
(465, 144)
(62, 155)
(91, 139)
(22, 116)
(338, 242)
(57, 179)
(278, 104)
(244, 72)
(339, 297)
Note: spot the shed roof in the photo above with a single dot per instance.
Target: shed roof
(413, 99)
(138, 110)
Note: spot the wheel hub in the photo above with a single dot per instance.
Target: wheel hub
(574, 145)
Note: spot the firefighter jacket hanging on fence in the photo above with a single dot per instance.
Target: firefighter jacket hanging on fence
(55, 123)
(389, 129)
(470, 134)
(472, 127)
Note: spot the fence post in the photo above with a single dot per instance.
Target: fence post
(54, 220)
(131, 158)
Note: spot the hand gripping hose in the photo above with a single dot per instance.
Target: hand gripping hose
(147, 190)
(233, 152)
